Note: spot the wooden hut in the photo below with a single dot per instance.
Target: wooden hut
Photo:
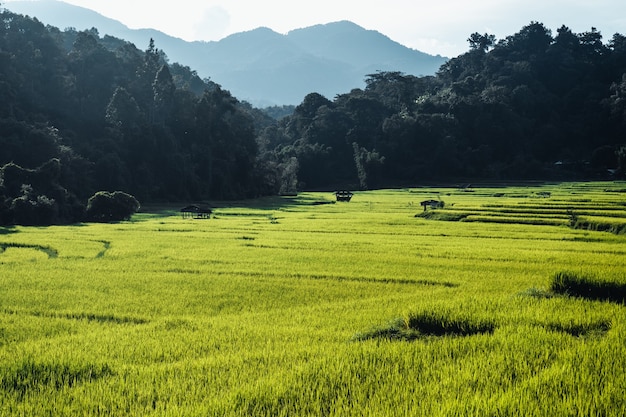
(343, 195)
(196, 212)
(433, 204)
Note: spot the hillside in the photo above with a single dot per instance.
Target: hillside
(262, 66)
(81, 113)
(347, 42)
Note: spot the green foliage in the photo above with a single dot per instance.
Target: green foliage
(104, 206)
(621, 156)
(35, 196)
(482, 116)
(278, 112)
(129, 120)
(289, 177)
(481, 42)
(530, 106)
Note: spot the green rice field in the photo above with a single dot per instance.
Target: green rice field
(506, 301)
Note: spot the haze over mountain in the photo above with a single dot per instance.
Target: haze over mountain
(262, 66)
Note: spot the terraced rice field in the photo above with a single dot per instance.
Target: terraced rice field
(506, 301)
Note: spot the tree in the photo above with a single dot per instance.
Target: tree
(305, 112)
(621, 160)
(617, 100)
(224, 148)
(106, 207)
(164, 89)
(118, 118)
(533, 39)
(145, 75)
(289, 177)
(35, 196)
(591, 46)
(480, 42)
(367, 164)
(30, 209)
(122, 112)
(93, 73)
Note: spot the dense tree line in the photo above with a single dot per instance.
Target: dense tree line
(531, 106)
(82, 116)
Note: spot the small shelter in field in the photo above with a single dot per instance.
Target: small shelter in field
(433, 204)
(343, 195)
(196, 212)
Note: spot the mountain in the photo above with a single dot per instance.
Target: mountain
(261, 66)
(64, 15)
(366, 50)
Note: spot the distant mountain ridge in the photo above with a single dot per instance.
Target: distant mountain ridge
(261, 66)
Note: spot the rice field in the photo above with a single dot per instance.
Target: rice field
(506, 301)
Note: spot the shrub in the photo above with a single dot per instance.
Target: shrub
(36, 197)
(33, 210)
(104, 206)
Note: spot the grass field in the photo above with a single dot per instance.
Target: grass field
(506, 301)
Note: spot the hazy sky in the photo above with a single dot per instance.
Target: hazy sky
(435, 26)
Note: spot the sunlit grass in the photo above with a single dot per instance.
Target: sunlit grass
(283, 306)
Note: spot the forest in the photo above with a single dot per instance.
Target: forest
(82, 114)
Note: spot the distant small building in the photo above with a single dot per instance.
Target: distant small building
(343, 195)
(196, 212)
(433, 204)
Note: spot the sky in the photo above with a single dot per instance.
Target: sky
(438, 27)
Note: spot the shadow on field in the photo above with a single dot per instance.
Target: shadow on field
(428, 323)
(26, 376)
(376, 280)
(278, 202)
(51, 252)
(90, 317)
(598, 328)
(590, 288)
(264, 203)
(106, 246)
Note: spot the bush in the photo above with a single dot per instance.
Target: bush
(105, 207)
(33, 210)
(36, 197)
